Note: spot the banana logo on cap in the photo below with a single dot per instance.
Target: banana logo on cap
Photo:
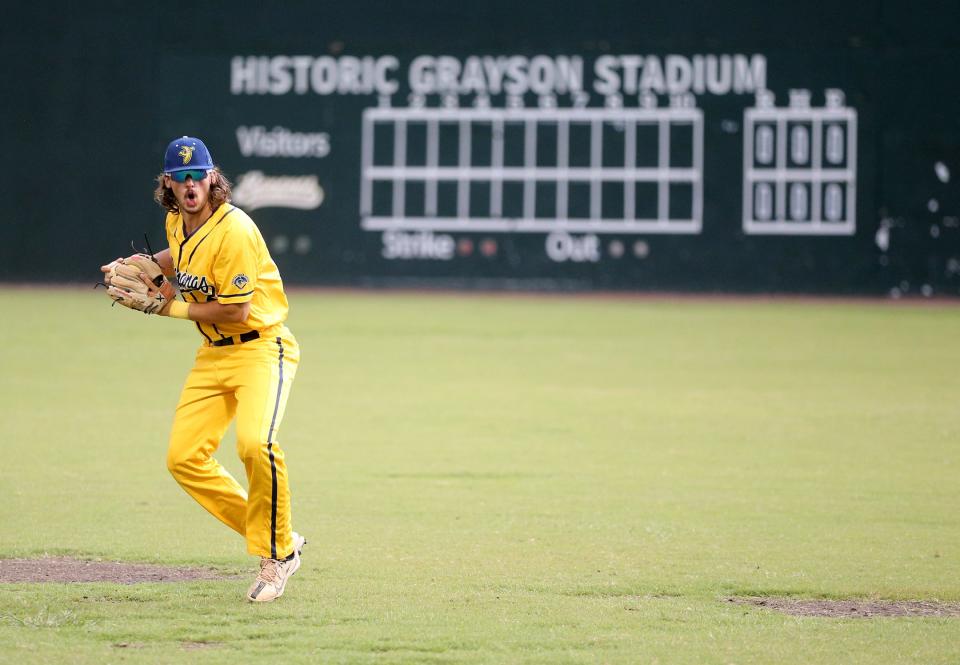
(186, 151)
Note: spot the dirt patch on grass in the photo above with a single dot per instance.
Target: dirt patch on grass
(853, 608)
(193, 646)
(67, 569)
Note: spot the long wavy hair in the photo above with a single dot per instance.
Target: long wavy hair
(220, 192)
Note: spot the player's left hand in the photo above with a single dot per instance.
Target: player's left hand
(138, 283)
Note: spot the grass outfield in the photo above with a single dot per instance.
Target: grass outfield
(503, 479)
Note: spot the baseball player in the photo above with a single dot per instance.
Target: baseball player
(246, 363)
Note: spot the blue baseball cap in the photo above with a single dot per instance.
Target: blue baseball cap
(186, 153)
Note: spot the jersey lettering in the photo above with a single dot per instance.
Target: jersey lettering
(189, 283)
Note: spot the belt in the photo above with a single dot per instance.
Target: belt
(239, 339)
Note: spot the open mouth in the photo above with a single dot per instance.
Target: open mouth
(191, 197)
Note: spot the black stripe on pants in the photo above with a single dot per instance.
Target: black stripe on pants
(273, 466)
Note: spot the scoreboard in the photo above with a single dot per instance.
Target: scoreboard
(800, 166)
(533, 170)
(558, 169)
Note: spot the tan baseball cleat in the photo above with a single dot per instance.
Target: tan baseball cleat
(274, 573)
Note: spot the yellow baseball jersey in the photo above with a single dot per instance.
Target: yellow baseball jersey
(227, 260)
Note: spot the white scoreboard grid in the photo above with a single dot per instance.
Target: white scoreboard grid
(619, 195)
(799, 169)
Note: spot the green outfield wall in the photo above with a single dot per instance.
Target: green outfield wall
(704, 147)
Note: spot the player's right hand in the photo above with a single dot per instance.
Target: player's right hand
(111, 267)
(108, 269)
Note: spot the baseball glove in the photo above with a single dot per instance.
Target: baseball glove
(148, 294)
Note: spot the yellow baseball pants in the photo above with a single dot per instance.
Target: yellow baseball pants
(249, 381)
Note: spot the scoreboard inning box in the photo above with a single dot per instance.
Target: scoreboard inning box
(587, 170)
(799, 167)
